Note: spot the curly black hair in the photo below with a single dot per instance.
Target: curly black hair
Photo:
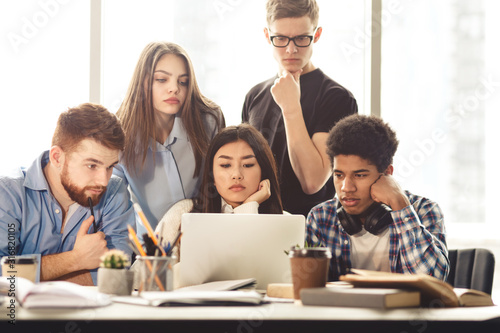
(368, 137)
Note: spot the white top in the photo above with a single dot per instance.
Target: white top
(370, 251)
(251, 207)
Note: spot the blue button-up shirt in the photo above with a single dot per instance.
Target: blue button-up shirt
(31, 218)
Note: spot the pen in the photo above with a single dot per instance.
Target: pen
(167, 248)
(155, 263)
(134, 238)
(92, 213)
(146, 224)
(132, 246)
(174, 243)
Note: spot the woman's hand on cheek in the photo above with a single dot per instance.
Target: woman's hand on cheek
(262, 194)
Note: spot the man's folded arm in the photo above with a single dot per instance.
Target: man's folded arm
(63, 266)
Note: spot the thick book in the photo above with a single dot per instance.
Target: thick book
(360, 297)
(434, 292)
(285, 290)
(204, 298)
(51, 294)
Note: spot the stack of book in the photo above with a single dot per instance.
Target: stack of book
(385, 290)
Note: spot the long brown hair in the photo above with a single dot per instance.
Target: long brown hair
(137, 114)
(209, 200)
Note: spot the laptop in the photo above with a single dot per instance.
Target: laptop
(219, 247)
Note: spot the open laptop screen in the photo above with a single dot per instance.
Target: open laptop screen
(217, 247)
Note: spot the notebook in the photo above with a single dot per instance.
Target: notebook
(217, 247)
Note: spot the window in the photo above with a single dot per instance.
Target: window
(226, 43)
(46, 54)
(440, 91)
(44, 61)
(440, 88)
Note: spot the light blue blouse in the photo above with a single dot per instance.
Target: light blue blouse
(167, 175)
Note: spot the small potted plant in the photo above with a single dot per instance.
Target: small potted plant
(298, 247)
(113, 276)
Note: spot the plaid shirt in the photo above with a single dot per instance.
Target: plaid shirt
(417, 238)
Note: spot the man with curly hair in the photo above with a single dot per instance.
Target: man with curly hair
(372, 223)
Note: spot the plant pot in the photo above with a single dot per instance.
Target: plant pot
(115, 281)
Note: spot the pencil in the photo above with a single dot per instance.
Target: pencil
(132, 233)
(146, 224)
(92, 213)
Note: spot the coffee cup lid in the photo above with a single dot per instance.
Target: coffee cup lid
(311, 252)
(19, 260)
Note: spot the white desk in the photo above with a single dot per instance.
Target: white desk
(285, 317)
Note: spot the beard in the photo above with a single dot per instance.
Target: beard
(77, 194)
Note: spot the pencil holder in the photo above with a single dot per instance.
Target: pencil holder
(155, 273)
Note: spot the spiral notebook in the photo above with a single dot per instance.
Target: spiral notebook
(218, 247)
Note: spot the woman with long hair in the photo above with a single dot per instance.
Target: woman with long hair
(239, 176)
(168, 125)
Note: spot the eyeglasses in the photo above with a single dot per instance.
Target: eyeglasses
(299, 41)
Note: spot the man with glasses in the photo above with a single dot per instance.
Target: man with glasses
(296, 109)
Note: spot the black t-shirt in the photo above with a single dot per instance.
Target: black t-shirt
(324, 102)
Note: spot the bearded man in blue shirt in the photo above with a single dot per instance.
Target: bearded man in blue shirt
(372, 223)
(45, 209)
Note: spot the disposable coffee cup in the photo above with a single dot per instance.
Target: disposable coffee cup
(25, 266)
(309, 268)
(155, 273)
